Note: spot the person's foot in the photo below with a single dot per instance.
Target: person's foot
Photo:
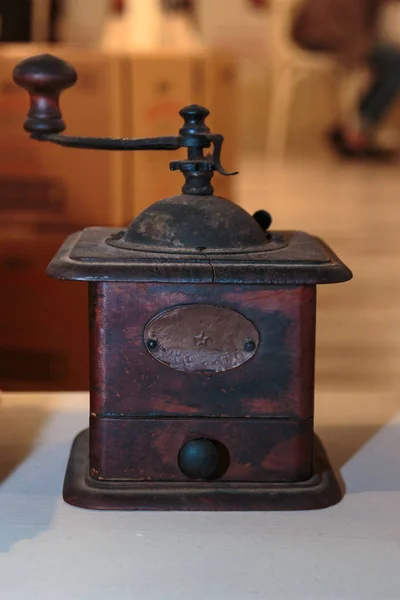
(356, 146)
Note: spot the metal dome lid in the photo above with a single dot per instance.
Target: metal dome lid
(191, 224)
(196, 220)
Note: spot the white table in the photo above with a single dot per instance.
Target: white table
(52, 551)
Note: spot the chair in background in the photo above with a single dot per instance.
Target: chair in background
(290, 65)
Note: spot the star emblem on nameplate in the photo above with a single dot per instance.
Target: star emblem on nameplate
(201, 339)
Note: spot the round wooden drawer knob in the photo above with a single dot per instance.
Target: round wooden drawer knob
(199, 459)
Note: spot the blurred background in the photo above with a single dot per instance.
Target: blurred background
(139, 62)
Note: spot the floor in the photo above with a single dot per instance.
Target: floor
(355, 209)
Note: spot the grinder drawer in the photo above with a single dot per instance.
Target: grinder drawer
(258, 450)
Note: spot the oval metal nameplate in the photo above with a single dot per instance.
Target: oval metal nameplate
(201, 338)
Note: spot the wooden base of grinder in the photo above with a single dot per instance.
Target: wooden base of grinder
(80, 489)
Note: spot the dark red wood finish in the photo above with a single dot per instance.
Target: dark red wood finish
(147, 449)
(127, 381)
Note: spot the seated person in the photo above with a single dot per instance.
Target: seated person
(349, 29)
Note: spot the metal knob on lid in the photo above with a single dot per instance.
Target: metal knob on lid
(194, 117)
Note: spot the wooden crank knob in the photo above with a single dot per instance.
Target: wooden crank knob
(44, 77)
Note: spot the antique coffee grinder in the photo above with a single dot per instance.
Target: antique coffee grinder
(202, 329)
